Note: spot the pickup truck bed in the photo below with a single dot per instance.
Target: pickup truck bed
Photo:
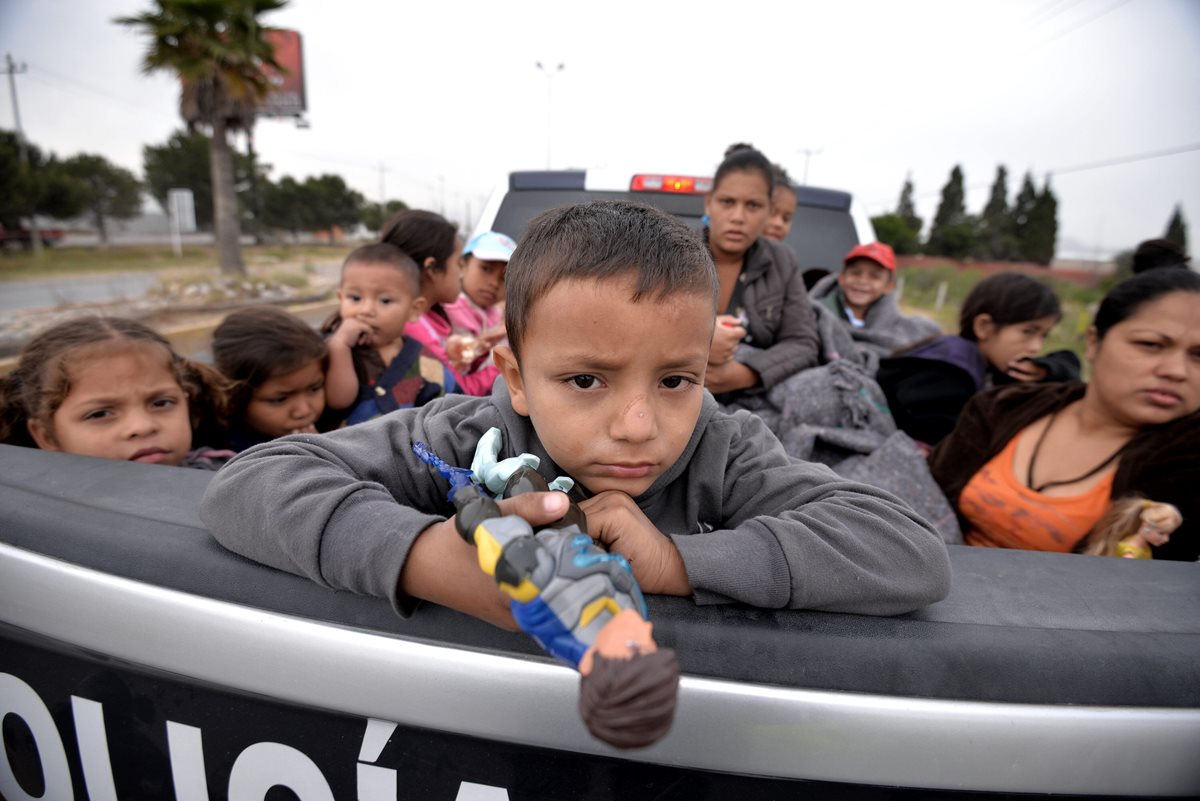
(135, 651)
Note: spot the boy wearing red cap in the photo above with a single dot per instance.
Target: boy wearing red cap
(860, 297)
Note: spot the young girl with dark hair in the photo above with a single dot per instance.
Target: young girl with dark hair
(1036, 466)
(115, 389)
(434, 244)
(1003, 323)
(276, 363)
(765, 331)
(783, 206)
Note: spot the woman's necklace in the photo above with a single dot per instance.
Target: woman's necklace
(1037, 448)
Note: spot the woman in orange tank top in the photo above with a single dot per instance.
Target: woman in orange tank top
(1047, 485)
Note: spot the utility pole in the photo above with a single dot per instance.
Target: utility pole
(255, 196)
(549, 73)
(382, 195)
(13, 69)
(808, 154)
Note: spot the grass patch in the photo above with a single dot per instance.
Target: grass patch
(65, 262)
(1078, 302)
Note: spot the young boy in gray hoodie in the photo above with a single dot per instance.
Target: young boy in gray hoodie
(610, 312)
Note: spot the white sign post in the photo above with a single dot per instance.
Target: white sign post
(181, 209)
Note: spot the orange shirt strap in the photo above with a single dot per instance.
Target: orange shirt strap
(1004, 513)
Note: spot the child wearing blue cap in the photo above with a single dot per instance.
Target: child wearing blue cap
(477, 316)
(479, 310)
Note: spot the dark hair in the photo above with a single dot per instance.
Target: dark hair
(741, 157)
(1007, 298)
(630, 703)
(422, 235)
(781, 178)
(42, 378)
(1124, 299)
(600, 240)
(1155, 253)
(384, 253)
(255, 344)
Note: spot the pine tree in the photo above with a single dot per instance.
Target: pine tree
(906, 210)
(1177, 229)
(1042, 229)
(1020, 216)
(996, 241)
(953, 232)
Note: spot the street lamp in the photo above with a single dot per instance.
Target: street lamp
(808, 154)
(549, 73)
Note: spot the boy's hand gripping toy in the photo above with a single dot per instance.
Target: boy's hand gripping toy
(581, 603)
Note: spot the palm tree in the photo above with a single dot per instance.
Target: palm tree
(220, 52)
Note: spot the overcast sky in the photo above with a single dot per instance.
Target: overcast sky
(446, 96)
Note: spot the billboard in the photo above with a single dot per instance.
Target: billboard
(286, 98)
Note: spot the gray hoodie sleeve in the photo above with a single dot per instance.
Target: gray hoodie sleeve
(343, 508)
(796, 535)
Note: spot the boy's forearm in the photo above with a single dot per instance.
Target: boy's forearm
(341, 382)
(442, 568)
(847, 548)
(799, 536)
(296, 504)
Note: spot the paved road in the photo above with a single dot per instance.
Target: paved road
(41, 293)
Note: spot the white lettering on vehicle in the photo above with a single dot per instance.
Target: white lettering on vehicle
(265, 765)
(93, 749)
(18, 698)
(375, 783)
(186, 749)
(256, 770)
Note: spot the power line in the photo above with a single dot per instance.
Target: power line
(1071, 4)
(1091, 165)
(41, 73)
(1080, 24)
(1095, 165)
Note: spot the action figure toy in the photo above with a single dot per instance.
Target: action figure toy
(581, 603)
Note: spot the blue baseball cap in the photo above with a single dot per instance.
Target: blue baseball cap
(490, 246)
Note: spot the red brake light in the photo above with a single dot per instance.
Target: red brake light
(681, 184)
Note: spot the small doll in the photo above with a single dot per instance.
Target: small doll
(1131, 526)
(463, 350)
(581, 603)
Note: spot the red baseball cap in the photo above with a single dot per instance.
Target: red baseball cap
(878, 252)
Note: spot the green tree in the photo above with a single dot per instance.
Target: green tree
(996, 241)
(1177, 229)
(219, 50)
(34, 185)
(1041, 231)
(184, 162)
(906, 209)
(109, 192)
(373, 215)
(332, 203)
(1022, 213)
(894, 230)
(285, 206)
(953, 234)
